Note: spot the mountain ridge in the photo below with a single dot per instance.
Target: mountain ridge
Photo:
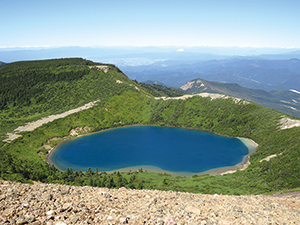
(286, 101)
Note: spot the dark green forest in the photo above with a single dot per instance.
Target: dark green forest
(129, 103)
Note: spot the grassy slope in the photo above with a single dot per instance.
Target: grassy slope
(126, 105)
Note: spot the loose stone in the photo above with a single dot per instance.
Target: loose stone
(61, 204)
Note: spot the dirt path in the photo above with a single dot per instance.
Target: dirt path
(33, 125)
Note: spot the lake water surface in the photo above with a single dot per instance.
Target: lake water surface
(177, 150)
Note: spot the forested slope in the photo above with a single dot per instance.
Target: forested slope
(34, 89)
(159, 90)
(126, 103)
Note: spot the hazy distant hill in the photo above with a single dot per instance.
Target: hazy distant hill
(285, 101)
(159, 90)
(1, 63)
(153, 82)
(248, 72)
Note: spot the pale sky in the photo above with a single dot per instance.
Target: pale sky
(242, 23)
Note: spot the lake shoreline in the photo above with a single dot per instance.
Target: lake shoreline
(249, 143)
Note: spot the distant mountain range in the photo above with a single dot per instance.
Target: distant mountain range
(1, 63)
(286, 101)
(248, 72)
(279, 69)
(145, 55)
(258, 68)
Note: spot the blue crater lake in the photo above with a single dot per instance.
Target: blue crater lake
(176, 150)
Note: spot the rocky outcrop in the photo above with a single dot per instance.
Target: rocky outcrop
(195, 83)
(287, 123)
(104, 68)
(62, 204)
(53, 139)
(79, 130)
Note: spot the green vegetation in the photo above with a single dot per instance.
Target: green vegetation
(34, 89)
(128, 103)
(159, 90)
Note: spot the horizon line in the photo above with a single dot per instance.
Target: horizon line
(141, 46)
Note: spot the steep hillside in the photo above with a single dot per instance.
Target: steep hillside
(286, 101)
(124, 102)
(34, 89)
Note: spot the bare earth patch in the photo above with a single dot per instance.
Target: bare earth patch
(244, 166)
(190, 85)
(287, 123)
(33, 125)
(104, 68)
(204, 95)
(268, 158)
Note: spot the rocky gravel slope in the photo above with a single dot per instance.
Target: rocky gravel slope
(62, 204)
